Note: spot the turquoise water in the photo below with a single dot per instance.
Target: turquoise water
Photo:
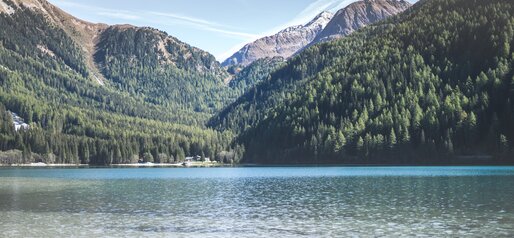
(257, 202)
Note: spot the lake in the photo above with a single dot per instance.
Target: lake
(257, 202)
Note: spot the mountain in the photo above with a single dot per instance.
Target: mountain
(283, 44)
(100, 94)
(324, 27)
(434, 84)
(162, 67)
(358, 15)
(82, 32)
(163, 70)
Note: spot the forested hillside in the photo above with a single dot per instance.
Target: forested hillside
(431, 85)
(46, 78)
(253, 74)
(160, 69)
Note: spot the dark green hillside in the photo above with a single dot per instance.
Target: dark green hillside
(254, 73)
(432, 85)
(44, 78)
(160, 69)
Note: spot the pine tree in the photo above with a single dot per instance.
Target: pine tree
(392, 139)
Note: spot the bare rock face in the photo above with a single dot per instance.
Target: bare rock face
(358, 15)
(283, 44)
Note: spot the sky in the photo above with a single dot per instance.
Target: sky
(220, 27)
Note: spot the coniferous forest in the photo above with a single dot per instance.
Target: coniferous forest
(432, 85)
(74, 119)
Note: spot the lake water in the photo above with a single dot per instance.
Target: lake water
(258, 202)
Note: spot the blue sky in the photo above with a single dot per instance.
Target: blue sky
(218, 26)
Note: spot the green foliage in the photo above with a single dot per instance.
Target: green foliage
(254, 73)
(431, 85)
(148, 157)
(148, 63)
(72, 119)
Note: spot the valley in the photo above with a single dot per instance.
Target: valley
(377, 82)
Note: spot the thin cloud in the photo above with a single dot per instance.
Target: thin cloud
(243, 35)
(189, 19)
(112, 13)
(336, 6)
(119, 15)
(202, 24)
(223, 56)
(152, 18)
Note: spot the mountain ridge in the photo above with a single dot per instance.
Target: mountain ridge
(83, 32)
(282, 44)
(87, 35)
(352, 17)
(357, 15)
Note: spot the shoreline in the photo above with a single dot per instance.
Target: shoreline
(219, 165)
(143, 165)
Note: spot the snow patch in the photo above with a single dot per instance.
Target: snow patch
(98, 80)
(6, 8)
(18, 122)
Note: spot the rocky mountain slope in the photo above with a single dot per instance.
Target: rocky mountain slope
(358, 15)
(324, 27)
(283, 44)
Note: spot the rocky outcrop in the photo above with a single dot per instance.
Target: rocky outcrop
(358, 15)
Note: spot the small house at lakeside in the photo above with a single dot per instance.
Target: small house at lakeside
(196, 159)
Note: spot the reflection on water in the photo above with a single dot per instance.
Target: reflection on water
(287, 202)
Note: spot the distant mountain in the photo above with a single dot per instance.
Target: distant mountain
(358, 15)
(283, 44)
(324, 27)
(431, 85)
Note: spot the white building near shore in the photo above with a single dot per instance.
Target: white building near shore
(196, 159)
